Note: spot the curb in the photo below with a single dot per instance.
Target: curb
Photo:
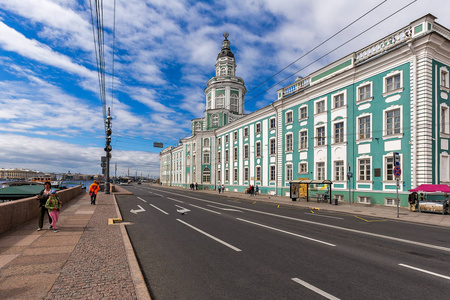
(136, 273)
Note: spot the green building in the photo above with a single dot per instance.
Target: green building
(351, 116)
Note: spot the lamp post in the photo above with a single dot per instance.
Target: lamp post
(108, 149)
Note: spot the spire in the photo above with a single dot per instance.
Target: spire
(226, 51)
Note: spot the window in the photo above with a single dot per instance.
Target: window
(223, 72)
(258, 128)
(235, 135)
(219, 157)
(389, 163)
(338, 101)
(444, 78)
(227, 175)
(320, 106)
(303, 112)
(339, 198)
(206, 175)
(303, 168)
(188, 161)
(364, 199)
(272, 173)
(364, 127)
(320, 171)
(226, 138)
(444, 119)
(214, 120)
(235, 154)
(339, 170)
(339, 132)
(272, 146)
(220, 99)
(208, 102)
(219, 142)
(234, 102)
(226, 156)
(246, 132)
(246, 151)
(235, 178)
(289, 117)
(206, 158)
(303, 139)
(392, 121)
(246, 174)
(320, 135)
(364, 92)
(364, 169)
(289, 172)
(258, 149)
(218, 176)
(193, 160)
(390, 201)
(258, 173)
(205, 142)
(198, 126)
(289, 142)
(272, 123)
(392, 83)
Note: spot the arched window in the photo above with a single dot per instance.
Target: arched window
(206, 142)
(206, 175)
(234, 103)
(220, 99)
(198, 126)
(223, 72)
(208, 102)
(230, 71)
(214, 120)
(188, 161)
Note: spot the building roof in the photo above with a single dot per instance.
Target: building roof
(226, 50)
(21, 191)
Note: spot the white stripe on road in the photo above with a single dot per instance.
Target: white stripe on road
(175, 200)
(317, 215)
(313, 288)
(159, 195)
(287, 232)
(141, 199)
(215, 212)
(159, 209)
(325, 225)
(425, 271)
(226, 209)
(210, 236)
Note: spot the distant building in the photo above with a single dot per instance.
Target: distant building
(351, 116)
(18, 174)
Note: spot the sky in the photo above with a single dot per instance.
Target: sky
(164, 52)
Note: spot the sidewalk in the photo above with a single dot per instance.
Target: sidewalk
(85, 259)
(374, 211)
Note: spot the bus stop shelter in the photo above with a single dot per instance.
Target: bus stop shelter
(320, 195)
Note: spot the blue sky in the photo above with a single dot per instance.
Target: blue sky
(50, 112)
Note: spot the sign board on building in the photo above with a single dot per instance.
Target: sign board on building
(158, 145)
(396, 159)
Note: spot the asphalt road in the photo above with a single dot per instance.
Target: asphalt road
(192, 245)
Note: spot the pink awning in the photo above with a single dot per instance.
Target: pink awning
(432, 188)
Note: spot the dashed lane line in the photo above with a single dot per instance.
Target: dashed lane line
(314, 289)
(164, 212)
(425, 271)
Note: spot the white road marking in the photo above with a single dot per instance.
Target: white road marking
(159, 195)
(175, 200)
(287, 232)
(326, 225)
(182, 210)
(141, 199)
(215, 212)
(159, 209)
(141, 209)
(314, 289)
(425, 271)
(317, 215)
(227, 209)
(210, 236)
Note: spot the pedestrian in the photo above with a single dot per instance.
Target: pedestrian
(219, 188)
(223, 189)
(42, 198)
(252, 190)
(53, 205)
(256, 190)
(192, 186)
(93, 190)
(196, 186)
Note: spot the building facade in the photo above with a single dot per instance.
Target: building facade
(348, 117)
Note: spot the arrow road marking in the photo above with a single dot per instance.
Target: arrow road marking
(182, 210)
(141, 199)
(136, 211)
(210, 236)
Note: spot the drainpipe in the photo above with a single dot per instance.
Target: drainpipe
(215, 159)
(414, 118)
(276, 153)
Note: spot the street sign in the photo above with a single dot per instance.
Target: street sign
(397, 171)
(158, 145)
(396, 159)
(349, 174)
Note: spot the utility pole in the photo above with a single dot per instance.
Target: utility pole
(108, 149)
(115, 174)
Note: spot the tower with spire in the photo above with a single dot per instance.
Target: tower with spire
(225, 92)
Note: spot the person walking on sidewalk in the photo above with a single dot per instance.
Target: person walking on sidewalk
(93, 190)
(53, 205)
(42, 198)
